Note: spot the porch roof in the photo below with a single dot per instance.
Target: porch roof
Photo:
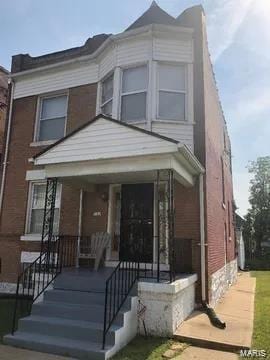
(105, 146)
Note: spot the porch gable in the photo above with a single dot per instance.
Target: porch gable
(104, 138)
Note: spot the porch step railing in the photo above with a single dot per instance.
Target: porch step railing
(118, 287)
(35, 278)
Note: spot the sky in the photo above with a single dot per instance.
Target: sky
(239, 42)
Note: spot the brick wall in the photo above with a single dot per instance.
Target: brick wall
(187, 226)
(220, 247)
(82, 107)
(209, 147)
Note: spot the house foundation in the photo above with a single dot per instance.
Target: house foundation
(166, 305)
(221, 280)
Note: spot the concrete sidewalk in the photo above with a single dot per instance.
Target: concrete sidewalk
(236, 309)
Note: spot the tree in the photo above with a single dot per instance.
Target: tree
(257, 226)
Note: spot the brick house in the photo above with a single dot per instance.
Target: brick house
(128, 133)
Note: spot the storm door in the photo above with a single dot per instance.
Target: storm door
(136, 228)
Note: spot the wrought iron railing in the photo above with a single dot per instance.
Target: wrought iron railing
(36, 277)
(118, 287)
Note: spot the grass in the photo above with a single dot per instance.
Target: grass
(145, 348)
(6, 314)
(261, 334)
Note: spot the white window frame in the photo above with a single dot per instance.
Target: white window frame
(36, 140)
(29, 208)
(133, 66)
(110, 74)
(185, 92)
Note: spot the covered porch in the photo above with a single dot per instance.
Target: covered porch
(127, 178)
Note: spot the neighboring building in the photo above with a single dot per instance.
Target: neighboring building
(157, 176)
(3, 104)
(240, 241)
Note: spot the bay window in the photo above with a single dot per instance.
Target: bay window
(134, 93)
(107, 96)
(171, 92)
(52, 118)
(36, 208)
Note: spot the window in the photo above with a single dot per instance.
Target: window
(171, 92)
(52, 118)
(107, 96)
(36, 211)
(133, 94)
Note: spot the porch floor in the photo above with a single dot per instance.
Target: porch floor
(236, 309)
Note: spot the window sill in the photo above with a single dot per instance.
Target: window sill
(42, 143)
(138, 122)
(182, 122)
(31, 237)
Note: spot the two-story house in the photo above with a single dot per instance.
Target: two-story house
(123, 135)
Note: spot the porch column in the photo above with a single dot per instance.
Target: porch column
(171, 216)
(48, 219)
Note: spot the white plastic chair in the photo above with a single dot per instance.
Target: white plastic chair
(95, 248)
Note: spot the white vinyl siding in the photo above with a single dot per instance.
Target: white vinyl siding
(55, 80)
(105, 139)
(133, 51)
(36, 208)
(173, 50)
(134, 94)
(182, 132)
(171, 95)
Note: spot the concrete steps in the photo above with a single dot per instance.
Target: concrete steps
(69, 320)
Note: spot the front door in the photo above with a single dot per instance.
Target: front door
(136, 226)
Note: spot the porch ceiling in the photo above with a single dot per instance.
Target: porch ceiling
(108, 151)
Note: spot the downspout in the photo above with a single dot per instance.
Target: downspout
(79, 226)
(215, 321)
(5, 162)
(202, 236)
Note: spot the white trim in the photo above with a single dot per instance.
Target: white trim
(158, 89)
(105, 78)
(122, 94)
(117, 167)
(29, 256)
(38, 115)
(98, 98)
(116, 92)
(42, 143)
(31, 237)
(35, 175)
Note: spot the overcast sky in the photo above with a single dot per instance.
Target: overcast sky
(239, 40)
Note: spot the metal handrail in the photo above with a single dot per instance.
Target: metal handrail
(118, 286)
(37, 276)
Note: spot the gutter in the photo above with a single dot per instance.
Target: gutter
(5, 162)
